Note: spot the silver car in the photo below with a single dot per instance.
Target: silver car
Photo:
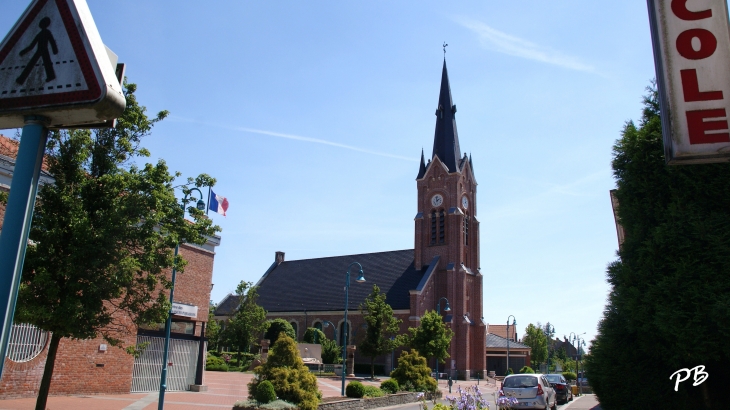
(532, 391)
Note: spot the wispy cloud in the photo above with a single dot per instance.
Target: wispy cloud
(515, 46)
(294, 137)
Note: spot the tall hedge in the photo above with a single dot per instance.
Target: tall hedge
(669, 305)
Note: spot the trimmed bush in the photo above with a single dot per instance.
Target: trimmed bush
(372, 391)
(291, 379)
(217, 367)
(265, 392)
(355, 390)
(412, 373)
(570, 376)
(510, 371)
(390, 386)
(526, 369)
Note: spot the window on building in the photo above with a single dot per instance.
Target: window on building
(318, 325)
(343, 328)
(296, 329)
(438, 227)
(26, 342)
(466, 229)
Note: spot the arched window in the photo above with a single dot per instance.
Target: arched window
(26, 342)
(442, 226)
(318, 325)
(296, 329)
(343, 328)
(438, 226)
(466, 229)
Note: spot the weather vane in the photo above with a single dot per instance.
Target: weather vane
(445, 45)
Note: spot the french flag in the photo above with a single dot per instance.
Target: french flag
(218, 203)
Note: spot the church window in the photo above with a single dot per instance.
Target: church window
(442, 222)
(438, 227)
(466, 229)
(296, 329)
(318, 325)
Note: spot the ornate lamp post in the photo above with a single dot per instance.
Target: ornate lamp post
(514, 323)
(359, 279)
(447, 308)
(576, 338)
(168, 323)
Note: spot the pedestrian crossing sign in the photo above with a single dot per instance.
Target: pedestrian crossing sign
(54, 64)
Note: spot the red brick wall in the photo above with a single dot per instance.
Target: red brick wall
(76, 370)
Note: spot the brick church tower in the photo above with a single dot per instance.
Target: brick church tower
(447, 241)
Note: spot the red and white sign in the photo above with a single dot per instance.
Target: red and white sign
(54, 64)
(691, 42)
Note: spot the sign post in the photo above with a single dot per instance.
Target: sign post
(54, 73)
(691, 41)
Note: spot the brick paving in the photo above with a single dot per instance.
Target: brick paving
(224, 389)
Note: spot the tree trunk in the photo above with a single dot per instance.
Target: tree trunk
(40, 403)
(372, 368)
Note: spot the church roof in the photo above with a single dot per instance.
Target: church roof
(498, 342)
(446, 138)
(318, 284)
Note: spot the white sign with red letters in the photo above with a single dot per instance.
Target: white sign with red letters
(691, 42)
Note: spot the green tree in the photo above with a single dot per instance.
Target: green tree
(276, 327)
(103, 236)
(313, 335)
(535, 338)
(247, 323)
(431, 338)
(669, 303)
(412, 373)
(212, 330)
(285, 369)
(382, 328)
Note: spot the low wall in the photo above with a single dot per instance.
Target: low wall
(375, 402)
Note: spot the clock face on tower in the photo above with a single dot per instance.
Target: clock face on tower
(437, 200)
(465, 202)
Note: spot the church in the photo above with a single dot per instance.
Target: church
(442, 269)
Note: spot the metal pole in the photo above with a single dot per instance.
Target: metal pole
(438, 311)
(18, 217)
(345, 330)
(514, 323)
(168, 324)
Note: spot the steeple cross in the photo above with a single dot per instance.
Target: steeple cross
(445, 45)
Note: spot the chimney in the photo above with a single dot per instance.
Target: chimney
(279, 257)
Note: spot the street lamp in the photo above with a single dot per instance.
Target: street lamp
(359, 279)
(447, 308)
(548, 330)
(514, 323)
(334, 329)
(168, 323)
(576, 338)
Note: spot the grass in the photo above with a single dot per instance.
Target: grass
(274, 405)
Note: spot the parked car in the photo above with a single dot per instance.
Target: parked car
(532, 391)
(563, 392)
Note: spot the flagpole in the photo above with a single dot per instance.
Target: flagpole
(207, 208)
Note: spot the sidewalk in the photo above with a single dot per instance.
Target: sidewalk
(585, 402)
(224, 389)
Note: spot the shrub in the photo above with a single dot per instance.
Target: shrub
(217, 367)
(372, 391)
(274, 405)
(265, 392)
(510, 371)
(527, 369)
(355, 390)
(211, 360)
(413, 373)
(291, 379)
(278, 326)
(570, 376)
(389, 386)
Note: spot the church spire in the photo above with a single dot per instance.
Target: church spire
(446, 139)
(422, 168)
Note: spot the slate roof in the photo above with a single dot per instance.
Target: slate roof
(318, 284)
(446, 138)
(498, 342)
(228, 305)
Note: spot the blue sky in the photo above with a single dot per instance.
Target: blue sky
(312, 116)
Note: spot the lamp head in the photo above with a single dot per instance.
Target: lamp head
(361, 278)
(447, 308)
(514, 322)
(200, 205)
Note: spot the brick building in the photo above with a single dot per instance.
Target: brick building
(443, 264)
(91, 366)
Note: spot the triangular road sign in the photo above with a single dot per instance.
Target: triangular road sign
(54, 64)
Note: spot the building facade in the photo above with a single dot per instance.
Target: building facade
(92, 366)
(443, 267)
